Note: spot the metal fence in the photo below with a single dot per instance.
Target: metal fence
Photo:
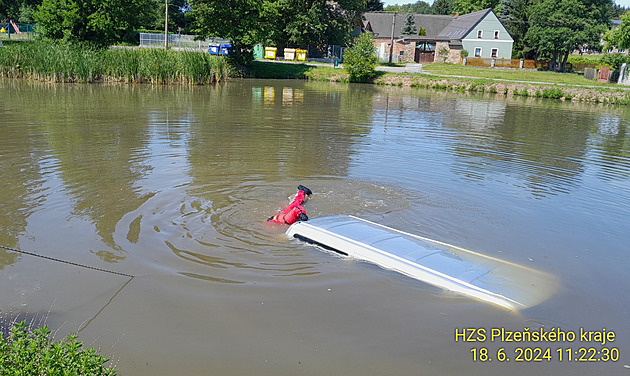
(14, 30)
(178, 41)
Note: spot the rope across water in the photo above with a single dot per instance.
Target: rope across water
(65, 261)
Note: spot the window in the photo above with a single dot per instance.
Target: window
(496, 34)
(479, 33)
(494, 52)
(477, 51)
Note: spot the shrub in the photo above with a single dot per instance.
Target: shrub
(614, 60)
(360, 60)
(443, 54)
(554, 93)
(27, 353)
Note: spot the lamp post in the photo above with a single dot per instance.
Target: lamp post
(166, 26)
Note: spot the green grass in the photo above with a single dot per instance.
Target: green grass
(60, 62)
(512, 75)
(275, 70)
(32, 353)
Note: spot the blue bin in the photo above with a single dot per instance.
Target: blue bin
(226, 49)
(214, 49)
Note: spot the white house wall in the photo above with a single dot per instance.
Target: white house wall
(503, 42)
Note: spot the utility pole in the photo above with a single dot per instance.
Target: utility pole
(391, 46)
(166, 26)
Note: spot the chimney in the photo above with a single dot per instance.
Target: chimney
(456, 14)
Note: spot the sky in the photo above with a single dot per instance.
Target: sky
(623, 3)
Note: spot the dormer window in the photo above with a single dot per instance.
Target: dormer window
(496, 34)
(479, 33)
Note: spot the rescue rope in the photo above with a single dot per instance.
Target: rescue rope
(66, 261)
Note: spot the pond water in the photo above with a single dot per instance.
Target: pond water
(173, 185)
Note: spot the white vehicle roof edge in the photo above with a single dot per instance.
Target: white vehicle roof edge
(345, 244)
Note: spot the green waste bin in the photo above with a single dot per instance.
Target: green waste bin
(259, 52)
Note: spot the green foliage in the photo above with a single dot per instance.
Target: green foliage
(513, 15)
(410, 26)
(469, 6)
(577, 59)
(419, 7)
(18, 10)
(374, 5)
(422, 32)
(64, 62)
(620, 36)
(360, 60)
(443, 54)
(463, 54)
(25, 352)
(297, 23)
(443, 7)
(311, 23)
(98, 22)
(523, 92)
(614, 60)
(558, 27)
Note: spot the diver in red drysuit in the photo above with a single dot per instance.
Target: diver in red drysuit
(294, 212)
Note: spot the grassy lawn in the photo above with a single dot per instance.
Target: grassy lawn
(511, 74)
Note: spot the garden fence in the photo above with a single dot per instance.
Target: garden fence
(177, 41)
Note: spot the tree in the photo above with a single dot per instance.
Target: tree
(178, 15)
(237, 20)
(313, 23)
(360, 60)
(619, 37)
(513, 15)
(374, 5)
(558, 27)
(443, 7)
(419, 7)
(410, 26)
(97, 22)
(18, 10)
(469, 6)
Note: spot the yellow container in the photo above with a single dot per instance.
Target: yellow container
(301, 54)
(270, 52)
(289, 54)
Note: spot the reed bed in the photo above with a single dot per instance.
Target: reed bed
(60, 62)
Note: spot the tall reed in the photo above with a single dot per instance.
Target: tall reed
(62, 62)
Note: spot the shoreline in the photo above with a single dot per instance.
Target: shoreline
(501, 87)
(449, 83)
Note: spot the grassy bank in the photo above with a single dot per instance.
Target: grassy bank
(458, 79)
(512, 74)
(70, 63)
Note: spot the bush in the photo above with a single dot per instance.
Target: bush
(614, 60)
(552, 93)
(27, 353)
(360, 60)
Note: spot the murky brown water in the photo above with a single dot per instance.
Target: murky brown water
(174, 185)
